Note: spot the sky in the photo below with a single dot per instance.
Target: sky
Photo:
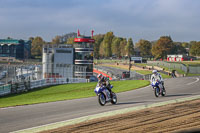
(136, 19)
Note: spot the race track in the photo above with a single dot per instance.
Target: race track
(22, 117)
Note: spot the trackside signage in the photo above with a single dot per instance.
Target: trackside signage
(136, 58)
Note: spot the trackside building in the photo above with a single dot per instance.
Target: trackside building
(12, 49)
(69, 60)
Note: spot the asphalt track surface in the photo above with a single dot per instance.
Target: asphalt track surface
(23, 117)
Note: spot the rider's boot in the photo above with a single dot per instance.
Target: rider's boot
(110, 92)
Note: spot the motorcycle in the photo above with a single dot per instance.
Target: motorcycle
(104, 95)
(158, 88)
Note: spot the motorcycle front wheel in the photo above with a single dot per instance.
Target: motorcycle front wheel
(163, 92)
(102, 99)
(114, 98)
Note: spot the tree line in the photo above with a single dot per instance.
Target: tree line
(109, 45)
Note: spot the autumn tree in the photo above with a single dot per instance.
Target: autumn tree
(185, 45)
(56, 40)
(37, 45)
(70, 40)
(162, 47)
(129, 47)
(192, 43)
(144, 47)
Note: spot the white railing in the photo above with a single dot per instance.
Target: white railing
(55, 81)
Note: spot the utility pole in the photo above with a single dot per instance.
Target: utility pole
(129, 66)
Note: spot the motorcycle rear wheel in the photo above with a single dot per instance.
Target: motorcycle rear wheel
(114, 98)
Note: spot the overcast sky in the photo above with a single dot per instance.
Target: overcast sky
(138, 19)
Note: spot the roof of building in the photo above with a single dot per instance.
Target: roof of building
(11, 41)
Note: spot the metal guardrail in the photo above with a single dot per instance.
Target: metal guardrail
(5, 89)
(29, 85)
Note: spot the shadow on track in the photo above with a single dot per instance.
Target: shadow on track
(132, 102)
(176, 95)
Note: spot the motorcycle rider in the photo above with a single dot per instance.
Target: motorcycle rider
(104, 81)
(156, 76)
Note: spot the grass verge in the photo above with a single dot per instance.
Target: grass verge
(66, 92)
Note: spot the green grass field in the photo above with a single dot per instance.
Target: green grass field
(144, 72)
(66, 92)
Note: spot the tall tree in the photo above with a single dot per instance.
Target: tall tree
(144, 47)
(101, 50)
(162, 47)
(107, 43)
(195, 49)
(116, 46)
(37, 45)
(129, 47)
(98, 40)
(178, 48)
(123, 44)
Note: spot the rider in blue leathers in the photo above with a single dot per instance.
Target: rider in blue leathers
(104, 81)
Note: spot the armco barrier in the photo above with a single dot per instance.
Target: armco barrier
(104, 74)
(25, 86)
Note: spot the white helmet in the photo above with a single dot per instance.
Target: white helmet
(154, 71)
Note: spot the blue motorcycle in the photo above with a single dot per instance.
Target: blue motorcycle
(104, 95)
(158, 88)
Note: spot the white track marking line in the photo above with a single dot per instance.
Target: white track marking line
(6, 108)
(193, 82)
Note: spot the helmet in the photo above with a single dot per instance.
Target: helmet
(99, 76)
(154, 71)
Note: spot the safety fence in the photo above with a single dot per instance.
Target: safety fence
(183, 67)
(29, 85)
(194, 69)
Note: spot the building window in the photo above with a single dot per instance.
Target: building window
(5, 49)
(83, 56)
